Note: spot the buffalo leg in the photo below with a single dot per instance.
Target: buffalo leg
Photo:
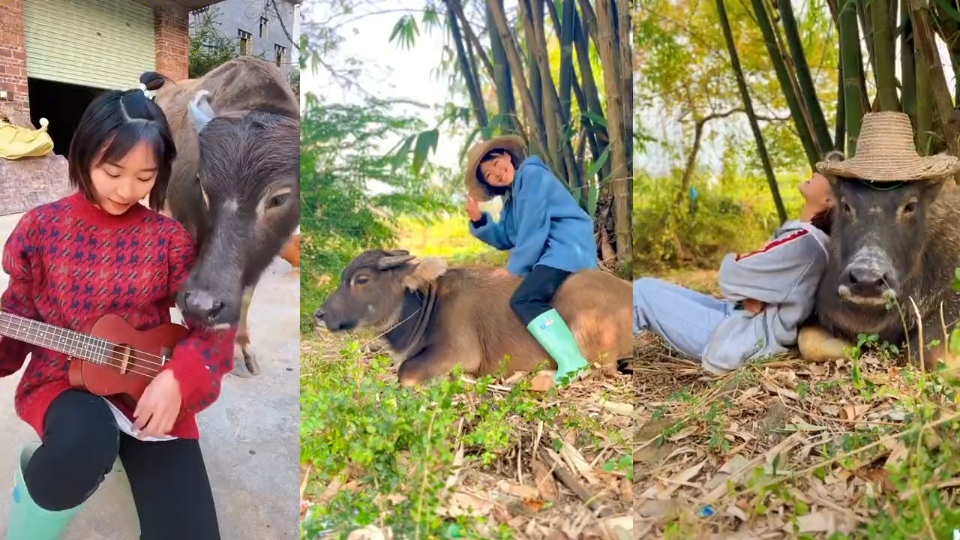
(816, 344)
(431, 362)
(245, 361)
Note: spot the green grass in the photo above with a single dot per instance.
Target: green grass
(448, 238)
(399, 445)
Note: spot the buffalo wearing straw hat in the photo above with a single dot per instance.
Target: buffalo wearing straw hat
(895, 246)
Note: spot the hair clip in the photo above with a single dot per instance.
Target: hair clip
(150, 94)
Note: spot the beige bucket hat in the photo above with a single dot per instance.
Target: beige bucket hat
(511, 144)
(886, 153)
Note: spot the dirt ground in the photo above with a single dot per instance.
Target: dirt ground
(788, 449)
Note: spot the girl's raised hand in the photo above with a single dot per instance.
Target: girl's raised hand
(473, 209)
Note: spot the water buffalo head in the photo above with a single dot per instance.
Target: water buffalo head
(246, 205)
(373, 289)
(878, 233)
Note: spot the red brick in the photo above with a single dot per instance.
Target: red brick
(172, 42)
(13, 57)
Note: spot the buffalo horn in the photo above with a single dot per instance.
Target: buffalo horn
(386, 263)
(200, 111)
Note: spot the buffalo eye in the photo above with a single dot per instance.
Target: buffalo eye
(909, 208)
(278, 200)
(361, 280)
(846, 207)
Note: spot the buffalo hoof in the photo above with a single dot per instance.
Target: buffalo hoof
(245, 363)
(818, 345)
(543, 381)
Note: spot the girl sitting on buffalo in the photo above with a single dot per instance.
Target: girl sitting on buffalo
(768, 293)
(549, 237)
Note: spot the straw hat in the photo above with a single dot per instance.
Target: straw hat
(512, 144)
(886, 153)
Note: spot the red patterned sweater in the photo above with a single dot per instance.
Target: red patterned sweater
(71, 263)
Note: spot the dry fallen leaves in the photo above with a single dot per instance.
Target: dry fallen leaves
(371, 532)
(466, 504)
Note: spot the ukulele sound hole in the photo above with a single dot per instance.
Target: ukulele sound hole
(122, 358)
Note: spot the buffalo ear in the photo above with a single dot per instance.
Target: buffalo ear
(426, 273)
(389, 263)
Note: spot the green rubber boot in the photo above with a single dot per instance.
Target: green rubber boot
(552, 332)
(27, 520)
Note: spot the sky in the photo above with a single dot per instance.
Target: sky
(389, 71)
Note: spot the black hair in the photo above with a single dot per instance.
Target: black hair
(823, 220)
(495, 191)
(114, 123)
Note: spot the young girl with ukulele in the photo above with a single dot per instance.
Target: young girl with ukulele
(549, 237)
(70, 262)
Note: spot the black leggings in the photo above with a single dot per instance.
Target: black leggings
(168, 479)
(533, 297)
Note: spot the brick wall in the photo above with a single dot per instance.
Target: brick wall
(13, 55)
(172, 33)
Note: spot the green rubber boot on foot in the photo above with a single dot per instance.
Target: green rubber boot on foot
(27, 520)
(552, 332)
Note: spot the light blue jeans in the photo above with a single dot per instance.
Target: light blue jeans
(686, 319)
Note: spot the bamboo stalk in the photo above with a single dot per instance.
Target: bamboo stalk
(786, 86)
(620, 186)
(549, 109)
(516, 67)
(865, 16)
(908, 72)
(575, 83)
(566, 56)
(840, 133)
(626, 90)
(925, 108)
(804, 80)
(931, 64)
(850, 59)
(466, 70)
(748, 107)
(885, 56)
(472, 37)
(502, 78)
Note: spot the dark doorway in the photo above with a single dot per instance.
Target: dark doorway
(63, 105)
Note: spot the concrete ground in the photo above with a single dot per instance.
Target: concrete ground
(250, 436)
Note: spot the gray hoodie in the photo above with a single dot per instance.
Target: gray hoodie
(785, 275)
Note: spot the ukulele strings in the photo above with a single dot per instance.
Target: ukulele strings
(109, 353)
(69, 334)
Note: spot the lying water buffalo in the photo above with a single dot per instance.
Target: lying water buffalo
(235, 185)
(890, 244)
(436, 318)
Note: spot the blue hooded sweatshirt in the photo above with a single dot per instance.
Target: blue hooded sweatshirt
(541, 224)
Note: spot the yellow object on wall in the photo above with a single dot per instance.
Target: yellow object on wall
(19, 142)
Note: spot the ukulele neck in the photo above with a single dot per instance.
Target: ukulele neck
(74, 344)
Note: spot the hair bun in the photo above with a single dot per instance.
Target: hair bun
(152, 80)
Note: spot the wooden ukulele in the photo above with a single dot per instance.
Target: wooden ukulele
(114, 359)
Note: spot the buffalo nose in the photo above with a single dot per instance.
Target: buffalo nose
(865, 282)
(318, 314)
(202, 304)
